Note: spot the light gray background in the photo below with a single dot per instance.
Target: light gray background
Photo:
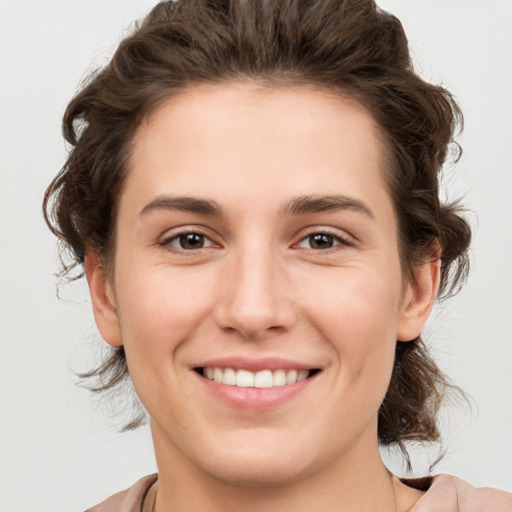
(58, 452)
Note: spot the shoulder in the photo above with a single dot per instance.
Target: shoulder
(129, 500)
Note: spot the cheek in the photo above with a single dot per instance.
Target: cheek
(160, 308)
(160, 312)
(354, 303)
(357, 314)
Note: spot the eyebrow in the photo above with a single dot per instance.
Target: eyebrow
(184, 204)
(297, 206)
(314, 203)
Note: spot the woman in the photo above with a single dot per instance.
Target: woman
(253, 194)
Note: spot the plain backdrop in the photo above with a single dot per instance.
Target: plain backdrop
(59, 451)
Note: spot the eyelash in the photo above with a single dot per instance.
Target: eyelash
(168, 242)
(339, 242)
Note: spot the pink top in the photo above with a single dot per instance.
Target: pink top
(132, 499)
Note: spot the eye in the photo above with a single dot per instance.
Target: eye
(190, 241)
(322, 241)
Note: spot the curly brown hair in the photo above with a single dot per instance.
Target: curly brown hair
(350, 47)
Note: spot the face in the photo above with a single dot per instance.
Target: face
(257, 287)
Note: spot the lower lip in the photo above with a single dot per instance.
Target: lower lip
(256, 398)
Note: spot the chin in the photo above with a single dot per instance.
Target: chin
(259, 474)
(260, 466)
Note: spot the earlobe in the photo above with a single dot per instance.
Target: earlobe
(103, 299)
(419, 301)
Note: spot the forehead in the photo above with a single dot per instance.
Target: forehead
(290, 133)
(246, 144)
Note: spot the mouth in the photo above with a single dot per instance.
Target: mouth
(266, 378)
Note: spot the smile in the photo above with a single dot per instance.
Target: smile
(262, 379)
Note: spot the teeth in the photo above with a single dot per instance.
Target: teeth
(279, 378)
(291, 377)
(244, 379)
(303, 375)
(229, 377)
(218, 375)
(261, 379)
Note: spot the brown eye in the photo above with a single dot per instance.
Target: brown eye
(189, 241)
(323, 241)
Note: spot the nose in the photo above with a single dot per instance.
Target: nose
(255, 299)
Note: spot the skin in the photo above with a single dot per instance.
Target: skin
(451, 494)
(260, 288)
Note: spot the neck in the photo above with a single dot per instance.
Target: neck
(356, 482)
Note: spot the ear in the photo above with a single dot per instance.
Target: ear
(103, 299)
(419, 300)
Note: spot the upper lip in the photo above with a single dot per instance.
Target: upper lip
(255, 365)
